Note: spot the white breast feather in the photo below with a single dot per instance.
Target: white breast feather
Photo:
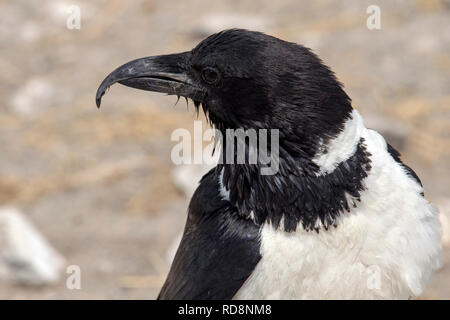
(386, 248)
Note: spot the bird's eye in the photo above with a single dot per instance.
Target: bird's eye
(210, 75)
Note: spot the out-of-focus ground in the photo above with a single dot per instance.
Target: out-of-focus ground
(97, 183)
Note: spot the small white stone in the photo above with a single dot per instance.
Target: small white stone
(25, 256)
(34, 96)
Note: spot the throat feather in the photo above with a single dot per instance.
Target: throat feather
(295, 196)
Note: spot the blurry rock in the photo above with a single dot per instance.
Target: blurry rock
(218, 22)
(31, 98)
(187, 177)
(25, 256)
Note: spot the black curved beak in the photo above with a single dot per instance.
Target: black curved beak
(166, 74)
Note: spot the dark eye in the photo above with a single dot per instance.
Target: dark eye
(210, 75)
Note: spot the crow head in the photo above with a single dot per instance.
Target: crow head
(249, 80)
(245, 79)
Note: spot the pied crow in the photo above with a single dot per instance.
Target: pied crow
(342, 218)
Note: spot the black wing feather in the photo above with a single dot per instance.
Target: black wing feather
(218, 251)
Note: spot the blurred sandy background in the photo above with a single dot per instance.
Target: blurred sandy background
(98, 184)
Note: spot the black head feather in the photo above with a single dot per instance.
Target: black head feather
(265, 82)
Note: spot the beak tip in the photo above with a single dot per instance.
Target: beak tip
(98, 96)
